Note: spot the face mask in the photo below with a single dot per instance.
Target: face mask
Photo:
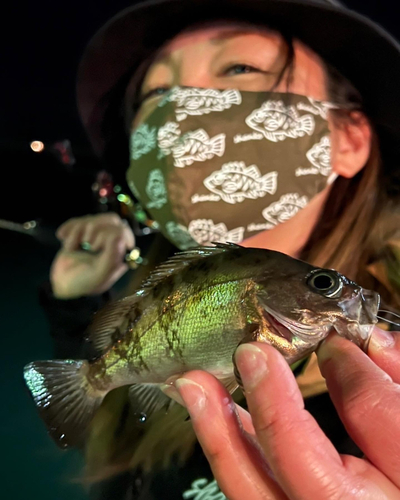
(223, 165)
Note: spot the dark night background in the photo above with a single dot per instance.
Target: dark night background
(41, 48)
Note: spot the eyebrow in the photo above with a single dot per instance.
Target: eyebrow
(215, 40)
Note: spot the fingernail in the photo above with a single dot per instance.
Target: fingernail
(380, 339)
(252, 365)
(171, 392)
(193, 394)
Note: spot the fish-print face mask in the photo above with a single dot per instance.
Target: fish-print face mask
(223, 165)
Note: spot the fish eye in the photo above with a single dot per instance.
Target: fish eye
(328, 284)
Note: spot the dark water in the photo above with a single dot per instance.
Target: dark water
(31, 464)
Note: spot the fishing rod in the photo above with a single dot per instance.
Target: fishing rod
(47, 236)
(384, 311)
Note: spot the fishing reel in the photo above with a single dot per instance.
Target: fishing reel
(110, 197)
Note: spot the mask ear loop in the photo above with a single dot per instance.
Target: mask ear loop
(332, 178)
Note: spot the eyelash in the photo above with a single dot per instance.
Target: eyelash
(153, 92)
(236, 65)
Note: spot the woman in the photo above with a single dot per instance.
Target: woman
(265, 128)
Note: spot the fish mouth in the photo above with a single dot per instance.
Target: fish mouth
(278, 328)
(289, 329)
(360, 318)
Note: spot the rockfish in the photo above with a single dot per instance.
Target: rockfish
(192, 313)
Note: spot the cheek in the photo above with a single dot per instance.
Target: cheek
(308, 76)
(335, 142)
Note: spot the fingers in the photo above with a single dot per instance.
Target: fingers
(113, 251)
(384, 350)
(63, 231)
(227, 446)
(96, 233)
(367, 400)
(94, 230)
(303, 460)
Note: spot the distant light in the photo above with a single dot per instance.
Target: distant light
(37, 146)
(117, 189)
(103, 192)
(124, 199)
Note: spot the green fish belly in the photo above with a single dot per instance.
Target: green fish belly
(193, 328)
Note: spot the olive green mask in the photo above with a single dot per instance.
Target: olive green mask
(223, 165)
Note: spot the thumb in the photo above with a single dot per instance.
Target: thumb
(384, 350)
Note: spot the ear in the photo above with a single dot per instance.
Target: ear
(351, 145)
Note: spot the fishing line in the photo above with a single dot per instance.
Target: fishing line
(388, 320)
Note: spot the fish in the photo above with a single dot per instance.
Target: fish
(167, 136)
(193, 102)
(277, 121)
(191, 313)
(142, 141)
(320, 156)
(156, 190)
(205, 232)
(179, 235)
(284, 209)
(235, 182)
(197, 146)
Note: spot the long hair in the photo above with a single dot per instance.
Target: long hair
(356, 224)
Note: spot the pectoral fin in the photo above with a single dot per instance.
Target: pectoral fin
(148, 398)
(229, 383)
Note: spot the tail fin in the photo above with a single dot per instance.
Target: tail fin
(269, 182)
(65, 398)
(307, 124)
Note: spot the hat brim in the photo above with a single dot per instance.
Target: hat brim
(357, 47)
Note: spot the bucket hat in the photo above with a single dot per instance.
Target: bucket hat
(361, 50)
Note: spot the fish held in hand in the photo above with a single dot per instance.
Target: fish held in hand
(191, 314)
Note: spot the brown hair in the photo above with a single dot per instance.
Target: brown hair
(359, 218)
(357, 222)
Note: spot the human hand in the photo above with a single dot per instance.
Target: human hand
(278, 451)
(75, 273)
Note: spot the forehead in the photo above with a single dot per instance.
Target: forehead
(215, 34)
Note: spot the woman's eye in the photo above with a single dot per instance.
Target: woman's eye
(240, 69)
(154, 93)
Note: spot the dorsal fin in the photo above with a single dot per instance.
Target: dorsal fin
(180, 261)
(110, 323)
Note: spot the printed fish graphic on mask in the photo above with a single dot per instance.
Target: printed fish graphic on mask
(277, 122)
(204, 231)
(167, 136)
(320, 156)
(235, 182)
(191, 313)
(197, 101)
(143, 140)
(315, 107)
(284, 209)
(180, 235)
(156, 189)
(197, 146)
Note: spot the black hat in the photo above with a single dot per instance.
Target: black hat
(362, 51)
